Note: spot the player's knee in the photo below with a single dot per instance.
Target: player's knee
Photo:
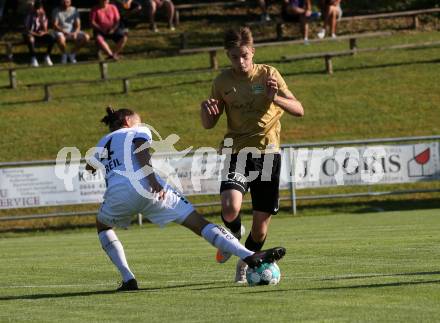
(230, 213)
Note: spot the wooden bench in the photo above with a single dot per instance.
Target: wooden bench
(279, 25)
(329, 55)
(411, 13)
(200, 5)
(352, 41)
(104, 78)
(12, 71)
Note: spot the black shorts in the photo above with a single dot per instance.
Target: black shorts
(116, 36)
(261, 175)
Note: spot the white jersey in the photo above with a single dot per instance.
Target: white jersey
(126, 189)
(115, 153)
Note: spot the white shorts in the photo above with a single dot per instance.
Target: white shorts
(81, 36)
(122, 203)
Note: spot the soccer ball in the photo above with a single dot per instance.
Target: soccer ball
(265, 274)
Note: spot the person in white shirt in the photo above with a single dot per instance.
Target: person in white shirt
(133, 187)
(67, 27)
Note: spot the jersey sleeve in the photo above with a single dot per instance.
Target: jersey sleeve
(215, 90)
(282, 86)
(143, 133)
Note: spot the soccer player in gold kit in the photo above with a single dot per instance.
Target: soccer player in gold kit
(254, 97)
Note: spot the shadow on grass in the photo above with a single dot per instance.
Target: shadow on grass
(361, 207)
(23, 102)
(361, 286)
(421, 273)
(387, 65)
(107, 292)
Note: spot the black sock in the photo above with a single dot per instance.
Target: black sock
(252, 245)
(235, 225)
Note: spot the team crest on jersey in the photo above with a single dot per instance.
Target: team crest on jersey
(257, 89)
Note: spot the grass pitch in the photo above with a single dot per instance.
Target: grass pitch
(339, 268)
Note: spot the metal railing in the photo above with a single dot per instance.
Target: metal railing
(292, 197)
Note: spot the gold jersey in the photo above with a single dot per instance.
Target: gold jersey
(252, 120)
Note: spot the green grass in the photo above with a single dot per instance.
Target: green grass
(381, 267)
(385, 94)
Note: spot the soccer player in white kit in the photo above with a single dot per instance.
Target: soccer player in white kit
(133, 187)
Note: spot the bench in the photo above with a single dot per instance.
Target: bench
(281, 24)
(329, 55)
(200, 5)
(352, 41)
(411, 13)
(12, 71)
(104, 78)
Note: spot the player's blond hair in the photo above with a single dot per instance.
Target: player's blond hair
(237, 38)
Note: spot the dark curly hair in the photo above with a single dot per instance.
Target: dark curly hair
(115, 119)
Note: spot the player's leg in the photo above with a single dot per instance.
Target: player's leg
(80, 41)
(265, 203)
(221, 238)
(116, 211)
(333, 16)
(234, 185)
(115, 251)
(62, 45)
(169, 9)
(120, 38)
(151, 9)
(102, 44)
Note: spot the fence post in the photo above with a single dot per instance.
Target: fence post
(103, 67)
(177, 17)
(353, 45)
(9, 52)
(183, 40)
(292, 179)
(12, 79)
(125, 85)
(328, 64)
(140, 219)
(280, 33)
(416, 22)
(213, 59)
(47, 96)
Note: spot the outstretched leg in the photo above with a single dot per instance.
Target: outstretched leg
(221, 238)
(114, 249)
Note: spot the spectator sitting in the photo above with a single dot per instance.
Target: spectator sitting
(299, 10)
(166, 6)
(105, 21)
(127, 9)
(331, 12)
(67, 25)
(36, 33)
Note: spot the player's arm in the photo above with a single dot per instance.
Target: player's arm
(283, 98)
(56, 24)
(143, 156)
(289, 103)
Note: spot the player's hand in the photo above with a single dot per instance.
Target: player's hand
(211, 106)
(157, 188)
(308, 13)
(271, 88)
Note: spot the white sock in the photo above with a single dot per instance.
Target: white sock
(113, 247)
(224, 240)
